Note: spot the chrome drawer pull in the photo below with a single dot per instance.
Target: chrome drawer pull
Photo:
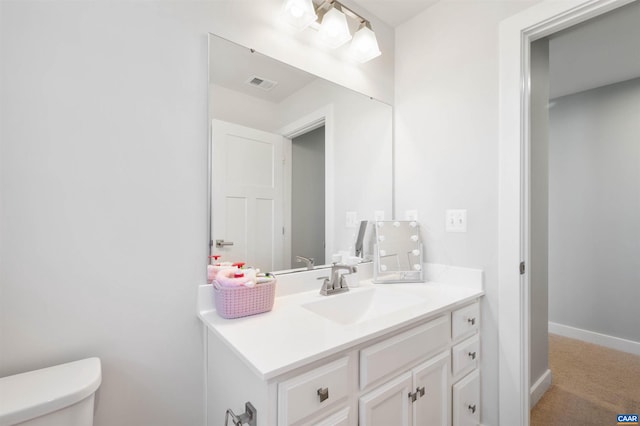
(323, 393)
(420, 391)
(472, 408)
(471, 321)
(472, 355)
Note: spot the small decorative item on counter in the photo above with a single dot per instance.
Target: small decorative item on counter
(243, 292)
(214, 267)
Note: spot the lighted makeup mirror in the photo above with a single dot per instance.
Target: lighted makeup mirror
(398, 252)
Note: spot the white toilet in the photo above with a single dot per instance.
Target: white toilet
(56, 396)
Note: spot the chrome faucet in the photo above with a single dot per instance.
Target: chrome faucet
(337, 283)
(307, 260)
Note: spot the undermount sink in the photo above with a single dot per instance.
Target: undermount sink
(361, 305)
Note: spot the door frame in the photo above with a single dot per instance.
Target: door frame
(515, 38)
(322, 116)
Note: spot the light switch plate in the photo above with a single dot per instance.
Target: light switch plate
(456, 220)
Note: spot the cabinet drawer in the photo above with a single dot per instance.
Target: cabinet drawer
(399, 351)
(304, 395)
(466, 355)
(466, 401)
(465, 321)
(341, 418)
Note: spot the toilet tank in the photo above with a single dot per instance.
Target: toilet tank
(62, 395)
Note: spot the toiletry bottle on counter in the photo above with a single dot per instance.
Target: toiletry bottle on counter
(249, 273)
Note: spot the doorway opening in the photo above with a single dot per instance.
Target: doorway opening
(307, 204)
(516, 37)
(584, 205)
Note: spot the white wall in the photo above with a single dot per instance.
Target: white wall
(446, 135)
(103, 187)
(594, 206)
(235, 107)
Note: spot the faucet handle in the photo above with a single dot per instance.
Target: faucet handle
(324, 290)
(343, 280)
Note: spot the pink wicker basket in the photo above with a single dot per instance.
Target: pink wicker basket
(241, 301)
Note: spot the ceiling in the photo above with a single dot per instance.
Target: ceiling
(395, 12)
(238, 64)
(599, 52)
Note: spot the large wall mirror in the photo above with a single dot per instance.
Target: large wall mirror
(292, 156)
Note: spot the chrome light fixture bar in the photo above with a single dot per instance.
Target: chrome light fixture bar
(333, 28)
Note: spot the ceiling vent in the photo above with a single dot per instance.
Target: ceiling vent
(262, 83)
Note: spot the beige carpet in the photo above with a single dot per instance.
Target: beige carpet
(591, 385)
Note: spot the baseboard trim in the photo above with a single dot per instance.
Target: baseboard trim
(539, 388)
(611, 342)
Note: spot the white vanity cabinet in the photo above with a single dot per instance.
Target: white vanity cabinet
(417, 397)
(424, 374)
(465, 354)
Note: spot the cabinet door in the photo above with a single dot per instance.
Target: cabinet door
(431, 380)
(466, 401)
(388, 404)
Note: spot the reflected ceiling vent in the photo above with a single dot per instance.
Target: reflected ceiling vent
(262, 83)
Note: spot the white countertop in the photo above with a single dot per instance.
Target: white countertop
(290, 336)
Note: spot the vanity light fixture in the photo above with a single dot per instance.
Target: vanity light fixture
(330, 19)
(334, 29)
(364, 45)
(299, 13)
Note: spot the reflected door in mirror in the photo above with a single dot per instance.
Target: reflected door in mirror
(247, 205)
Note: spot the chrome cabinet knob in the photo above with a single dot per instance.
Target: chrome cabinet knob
(323, 393)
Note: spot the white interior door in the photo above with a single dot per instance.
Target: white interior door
(247, 199)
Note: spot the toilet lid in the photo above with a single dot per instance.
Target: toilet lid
(35, 393)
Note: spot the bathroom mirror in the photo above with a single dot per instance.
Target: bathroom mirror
(296, 161)
(398, 252)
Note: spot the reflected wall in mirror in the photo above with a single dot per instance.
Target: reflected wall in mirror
(291, 154)
(398, 252)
